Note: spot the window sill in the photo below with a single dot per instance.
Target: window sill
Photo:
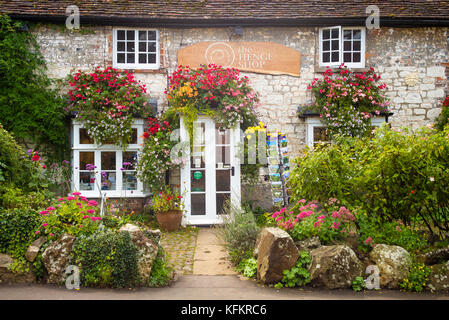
(319, 69)
(115, 194)
(149, 71)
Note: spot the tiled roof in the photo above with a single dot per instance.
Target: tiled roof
(229, 9)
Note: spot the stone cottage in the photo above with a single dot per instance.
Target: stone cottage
(280, 45)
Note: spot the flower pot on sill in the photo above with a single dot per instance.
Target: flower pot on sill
(169, 220)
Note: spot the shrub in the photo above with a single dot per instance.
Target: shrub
(397, 175)
(305, 220)
(17, 230)
(417, 278)
(239, 232)
(160, 273)
(106, 258)
(248, 267)
(358, 284)
(298, 275)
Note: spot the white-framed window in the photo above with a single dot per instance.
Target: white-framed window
(339, 45)
(136, 48)
(115, 169)
(316, 131)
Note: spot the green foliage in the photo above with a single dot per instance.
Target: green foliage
(373, 231)
(239, 232)
(396, 175)
(443, 119)
(160, 273)
(106, 258)
(30, 103)
(298, 275)
(248, 267)
(358, 284)
(417, 278)
(17, 230)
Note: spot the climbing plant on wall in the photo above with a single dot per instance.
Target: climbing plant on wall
(30, 104)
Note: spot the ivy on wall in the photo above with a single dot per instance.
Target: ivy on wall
(30, 104)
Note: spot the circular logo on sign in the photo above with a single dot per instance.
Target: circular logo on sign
(221, 54)
(197, 175)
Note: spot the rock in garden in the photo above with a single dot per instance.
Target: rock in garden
(8, 276)
(334, 267)
(393, 263)
(276, 252)
(147, 250)
(309, 243)
(57, 257)
(437, 256)
(33, 249)
(439, 278)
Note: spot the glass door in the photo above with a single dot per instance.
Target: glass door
(212, 174)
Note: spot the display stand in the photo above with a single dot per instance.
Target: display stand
(278, 167)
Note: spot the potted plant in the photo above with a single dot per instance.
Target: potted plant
(168, 207)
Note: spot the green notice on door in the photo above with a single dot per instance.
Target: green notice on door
(197, 175)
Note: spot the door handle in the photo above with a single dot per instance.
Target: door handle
(232, 171)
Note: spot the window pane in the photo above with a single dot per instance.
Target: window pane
(142, 58)
(129, 181)
(347, 57)
(356, 45)
(356, 57)
(130, 46)
(134, 136)
(326, 45)
(120, 34)
(121, 46)
(347, 34)
(197, 159)
(326, 57)
(357, 34)
(221, 200)
(151, 58)
(142, 35)
(130, 35)
(130, 58)
(198, 180)
(129, 160)
(221, 135)
(335, 45)
(347, 46)
(335, 56)
(120, 58)
(326, 34)
(223, 156)
(320, 134)
(151, 46)
(223, 180)
(84, 137)
(107, 161)
(108, 181)
(198, 202)
(151, 35)
(142, 47)
(335, 34)
(85, 159)
(87, 181)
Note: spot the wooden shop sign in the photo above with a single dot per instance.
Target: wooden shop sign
(260, 57)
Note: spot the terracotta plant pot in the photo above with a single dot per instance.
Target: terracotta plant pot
(170, 220)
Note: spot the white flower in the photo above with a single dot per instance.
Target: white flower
(432, 179)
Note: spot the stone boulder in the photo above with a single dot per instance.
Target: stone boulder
(437, 256)
(8, 276)
(334, 267)
(33, 249)
(56, 258)
(276, 252)
(147, 250)
(393, 263)
(439, 278)
(308, 244)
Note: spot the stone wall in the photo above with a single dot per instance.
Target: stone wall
(414, 63)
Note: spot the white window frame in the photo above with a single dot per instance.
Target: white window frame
(136, 65)
(119, 192)
(360, 64)
(313, 122)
